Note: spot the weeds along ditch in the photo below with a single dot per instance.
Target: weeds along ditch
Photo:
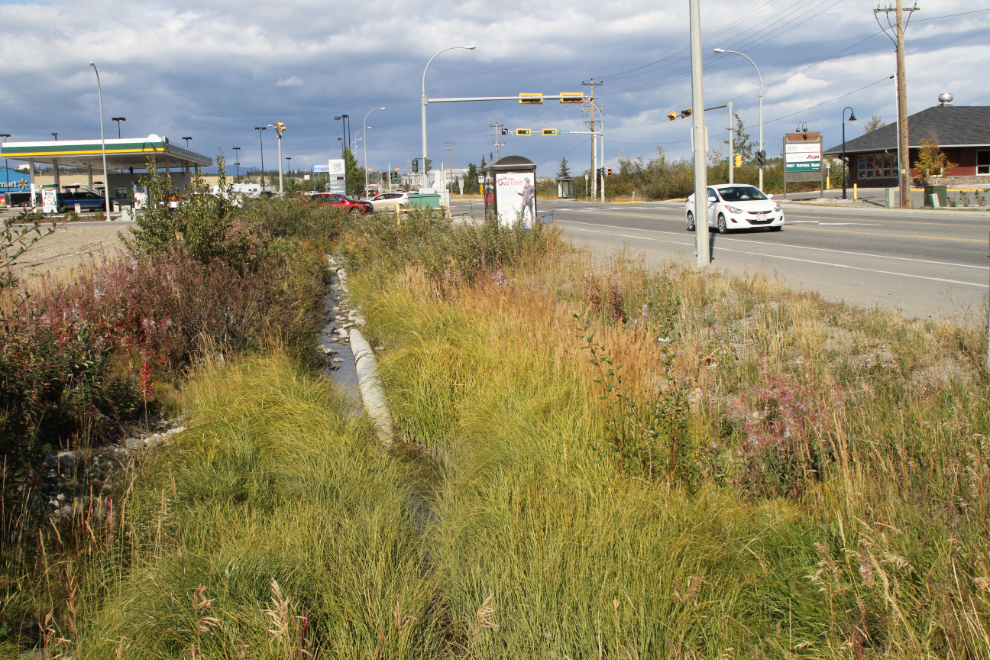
(596, 459)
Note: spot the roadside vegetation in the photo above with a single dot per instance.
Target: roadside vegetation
(595, 459)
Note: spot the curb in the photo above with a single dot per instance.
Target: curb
(369, 383)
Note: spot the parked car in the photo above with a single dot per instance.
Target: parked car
(388, 200)
(86, 199)
(737, 206)
(341, 201)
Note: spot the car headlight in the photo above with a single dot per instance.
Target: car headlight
(733, 209)
(776, 207)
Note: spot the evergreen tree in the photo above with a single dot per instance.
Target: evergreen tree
(741, 144)
(564, 169)
(354, 174)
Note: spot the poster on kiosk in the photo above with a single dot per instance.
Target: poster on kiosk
(510, 190)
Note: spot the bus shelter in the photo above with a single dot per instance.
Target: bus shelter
(510, 190)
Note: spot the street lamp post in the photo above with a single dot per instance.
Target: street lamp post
(56, 136)
(103, 141)
(279, 127)
(736, 52)
(845, 164)
(364, 123)
(237, 161)
(426, 102)
(356, 140)
(185, 138)
(118, 120)
(262, 142)
(344, 141)
(6, 168)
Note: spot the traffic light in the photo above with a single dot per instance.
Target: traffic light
(761, 158)
(429, 164)
(549, 131)
(530, 99)
(280, 125)
(505, 131)
(523, 131)
(601, 172)
(737, 160)
(686, 112)
(415, 165)
(572, 97)
(608, 172)
(671, 116)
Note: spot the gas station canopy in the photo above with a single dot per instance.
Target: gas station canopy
(121, 153)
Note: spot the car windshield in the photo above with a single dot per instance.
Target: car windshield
(741, 194)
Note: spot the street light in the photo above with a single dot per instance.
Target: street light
(6, 167)
(426, 102)
(118, 120)
(365, 122)
(845, 164)
(356, 140)
(56, 136)
(736, 52)
(237, 160)
(262, 142)
(279, 127)
(103, 141)
(185, 138)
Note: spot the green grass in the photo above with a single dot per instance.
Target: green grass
(273, 481)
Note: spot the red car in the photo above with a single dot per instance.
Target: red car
(342, 201)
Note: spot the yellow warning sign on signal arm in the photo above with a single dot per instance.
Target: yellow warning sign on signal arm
(531, 99)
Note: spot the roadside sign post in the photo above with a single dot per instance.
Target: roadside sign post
(803, 159)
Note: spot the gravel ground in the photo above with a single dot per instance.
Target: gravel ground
(69, 246)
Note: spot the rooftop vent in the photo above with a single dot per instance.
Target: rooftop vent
(944, 100)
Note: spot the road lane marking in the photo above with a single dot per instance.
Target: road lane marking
(811, 261)
(803, 247)
(870, 233)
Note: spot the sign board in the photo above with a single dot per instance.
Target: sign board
(337, 170)
(803, 159)
(14, 181)
(803, 156)
(319, 168)
(515, 197)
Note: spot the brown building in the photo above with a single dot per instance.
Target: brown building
(963, 134)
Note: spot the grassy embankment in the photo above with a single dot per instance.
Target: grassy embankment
(766, 475)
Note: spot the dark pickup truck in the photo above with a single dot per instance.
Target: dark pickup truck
(87, 201)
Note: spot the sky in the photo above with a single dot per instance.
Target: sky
(215, 70)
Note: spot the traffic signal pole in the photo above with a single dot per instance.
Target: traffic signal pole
(698, 127)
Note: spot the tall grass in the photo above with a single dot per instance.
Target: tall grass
(270, 529)
(831, 496)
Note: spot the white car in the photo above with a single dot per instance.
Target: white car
(737, 206)
(387, 201)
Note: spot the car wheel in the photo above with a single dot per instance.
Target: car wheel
(690, 221)
(354, 211)
(721, 224)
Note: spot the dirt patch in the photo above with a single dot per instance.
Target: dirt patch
(69, 246)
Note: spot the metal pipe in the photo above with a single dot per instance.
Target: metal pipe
(698, 128)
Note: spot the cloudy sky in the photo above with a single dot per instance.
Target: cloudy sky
(214, 70)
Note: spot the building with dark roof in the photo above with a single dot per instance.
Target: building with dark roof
(963, 134)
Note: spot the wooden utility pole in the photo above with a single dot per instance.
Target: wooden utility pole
(498, 141)
(591, 124)
(903, 147)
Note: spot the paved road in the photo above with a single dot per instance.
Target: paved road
(928, 265)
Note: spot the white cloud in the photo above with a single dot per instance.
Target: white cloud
(206, 69)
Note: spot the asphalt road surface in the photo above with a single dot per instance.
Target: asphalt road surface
(922, 264)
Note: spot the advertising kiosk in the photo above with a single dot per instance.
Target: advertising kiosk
(510, 190)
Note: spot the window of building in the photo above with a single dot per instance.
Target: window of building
(878, 166)
(983, 161)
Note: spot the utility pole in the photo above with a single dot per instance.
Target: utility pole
(903, 148)
(591, 108)
(450, 161)
(497, 143)
(732, 128)
(698, 132)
